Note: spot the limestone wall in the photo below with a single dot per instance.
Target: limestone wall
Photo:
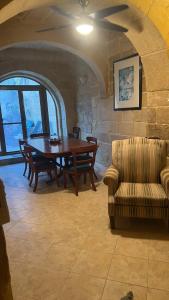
(55, 65)
(96, 115)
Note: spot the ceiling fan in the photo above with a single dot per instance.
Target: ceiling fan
(85, 23)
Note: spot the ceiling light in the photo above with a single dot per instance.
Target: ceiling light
(84, 28)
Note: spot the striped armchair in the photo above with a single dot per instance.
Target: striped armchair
(138, 180)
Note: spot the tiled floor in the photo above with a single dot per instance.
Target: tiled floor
(60, 246)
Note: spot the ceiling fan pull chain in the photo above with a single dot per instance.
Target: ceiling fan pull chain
(83, 3)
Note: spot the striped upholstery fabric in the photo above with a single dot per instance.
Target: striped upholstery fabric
(139, 160)
(111, 179)
(164, 175)
(138, 180)
(144, 194)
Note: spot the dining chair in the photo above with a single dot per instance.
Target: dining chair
(39, 166)
(41, 134)
(76, 133)
(21, 146)
(82, 166)
(92, 140)
(35, 156)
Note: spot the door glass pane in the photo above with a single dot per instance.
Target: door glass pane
(32, 112)
(10, 106)
(52, 115)
(19, 81)
(12, 135)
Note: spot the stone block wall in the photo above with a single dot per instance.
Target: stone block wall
(81, 92)
(96, 115)
(55, 65)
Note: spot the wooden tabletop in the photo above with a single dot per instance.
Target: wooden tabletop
(44, 146)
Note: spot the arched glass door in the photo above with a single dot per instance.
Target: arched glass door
(26, 107)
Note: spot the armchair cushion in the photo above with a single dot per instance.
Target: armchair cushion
(141, 194)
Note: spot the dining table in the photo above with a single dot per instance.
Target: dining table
(47, 148)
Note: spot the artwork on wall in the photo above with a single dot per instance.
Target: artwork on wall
(127, 83)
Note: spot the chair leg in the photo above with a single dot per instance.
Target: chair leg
(26, 165)
(95, 175)
(65, 180)
(112, 222)
(85, 178)
(31, 178)
(61, 164)
(36, 182)
(76, 185)
(92, 180)
(50, 174)
(167, 224)
(56, 176)
(29, 173)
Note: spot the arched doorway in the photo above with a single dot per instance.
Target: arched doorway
(28, 105)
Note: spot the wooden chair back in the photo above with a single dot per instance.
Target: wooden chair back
(76, 132)
(39, 135)
(21, 147)
(91, 156)
(91, 139)
(28, 154)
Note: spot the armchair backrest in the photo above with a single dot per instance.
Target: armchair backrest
(139, 159)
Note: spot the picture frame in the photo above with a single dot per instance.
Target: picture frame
(127, 83)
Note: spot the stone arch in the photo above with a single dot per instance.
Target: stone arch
(150, 45)
(146, 41)
(156, 10)
(93, 66)
(55, 93)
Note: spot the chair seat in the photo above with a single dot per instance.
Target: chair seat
(79, 168)
(84, 156)
(43, 165)
(141, 194)
(38, 158)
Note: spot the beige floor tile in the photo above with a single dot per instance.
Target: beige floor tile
(134, 247)
(30, 251)
(73, 241)
(9, 225)
(159, 250)
(35, 283)
(61, 257)
(101, 241)
(116, 290)
(93, 263)
(129, 270)
(158, 275)
(82, 287)
(53, 232)
(157, 295)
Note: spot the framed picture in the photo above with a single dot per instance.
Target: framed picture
(127, 83)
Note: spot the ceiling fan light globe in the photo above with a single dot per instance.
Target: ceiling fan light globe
(84, 28)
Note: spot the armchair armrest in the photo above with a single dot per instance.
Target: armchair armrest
(111, 179)
(164, 175)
